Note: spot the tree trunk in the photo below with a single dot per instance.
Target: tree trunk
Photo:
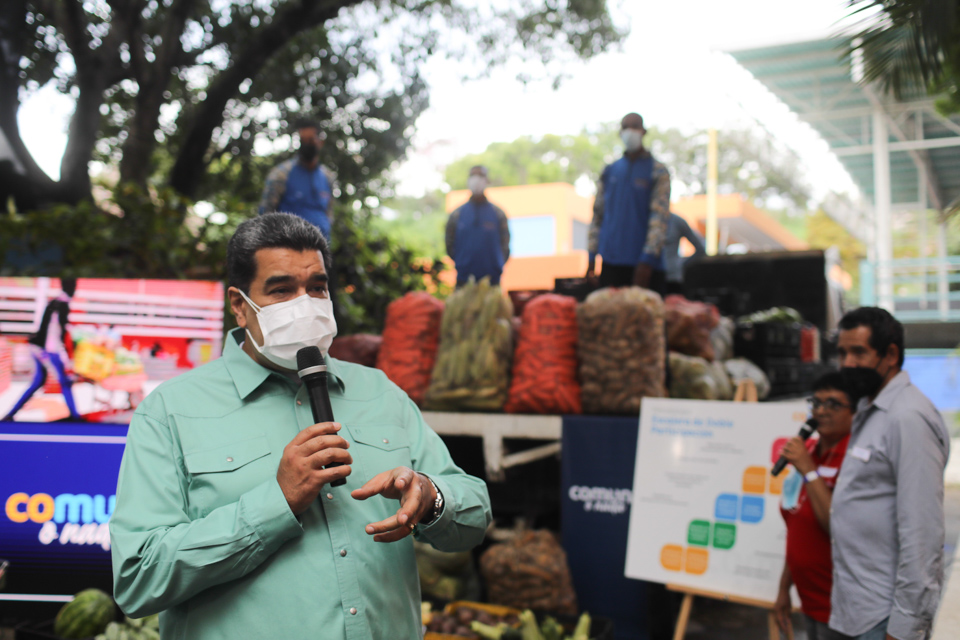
(193, 156)
(152, 80)
(20, 175)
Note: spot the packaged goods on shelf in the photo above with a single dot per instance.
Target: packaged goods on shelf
(411, 336)
(621, 349)
(472, 371)
(544, 378)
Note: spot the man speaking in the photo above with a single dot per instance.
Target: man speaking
(227, 520)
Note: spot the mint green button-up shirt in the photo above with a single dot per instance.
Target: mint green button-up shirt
(201, 531)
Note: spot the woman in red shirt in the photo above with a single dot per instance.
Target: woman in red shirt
(806, 507)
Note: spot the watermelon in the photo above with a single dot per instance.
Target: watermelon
(86, 615)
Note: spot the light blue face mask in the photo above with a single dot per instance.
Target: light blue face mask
(790, 493)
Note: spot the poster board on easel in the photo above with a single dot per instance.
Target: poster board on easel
(705, 513)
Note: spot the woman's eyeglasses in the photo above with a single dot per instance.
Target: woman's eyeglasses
(829, 404)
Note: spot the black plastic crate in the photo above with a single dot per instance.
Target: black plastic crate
(578, 288)
(786, 375)
(761, 342)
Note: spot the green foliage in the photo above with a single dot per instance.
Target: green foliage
(133, 234)
(824, 232)
(911, 47)
(371, 270)
(416, 223)
(748, 162)
(551, 158)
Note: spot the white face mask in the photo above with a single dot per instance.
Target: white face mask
(632, 139)
(291, 325)
(476, 184)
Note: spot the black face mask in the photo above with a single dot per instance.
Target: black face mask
(862, 381)
(308, 153)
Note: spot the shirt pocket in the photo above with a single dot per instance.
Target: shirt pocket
(380, 448)
(221, 474)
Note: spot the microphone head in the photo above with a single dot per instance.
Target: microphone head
(309, 357)
(808, 428)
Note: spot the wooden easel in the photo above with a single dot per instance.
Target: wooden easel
(746, 392)
(773, 629)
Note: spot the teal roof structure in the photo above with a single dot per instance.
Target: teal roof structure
(815, 79)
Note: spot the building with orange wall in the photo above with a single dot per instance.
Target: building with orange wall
(739, 222)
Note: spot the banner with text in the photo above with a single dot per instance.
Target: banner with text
(705, 510)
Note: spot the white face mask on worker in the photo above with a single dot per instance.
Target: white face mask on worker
(632, 139)
(291, 325)
(476, 184)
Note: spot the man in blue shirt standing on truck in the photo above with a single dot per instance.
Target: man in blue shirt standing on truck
(630, 213)
(478, 235)
(301, 185)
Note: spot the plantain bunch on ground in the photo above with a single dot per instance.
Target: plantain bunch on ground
(472, 371)
(622, 351)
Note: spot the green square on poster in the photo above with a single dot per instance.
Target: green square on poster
(724, 535)
(699, 532)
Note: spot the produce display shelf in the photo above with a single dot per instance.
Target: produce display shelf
(493, 428)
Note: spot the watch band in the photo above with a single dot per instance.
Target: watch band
(437, 504)
(810, 476)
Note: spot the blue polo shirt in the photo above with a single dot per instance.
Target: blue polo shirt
(307, 195)
(627, 189)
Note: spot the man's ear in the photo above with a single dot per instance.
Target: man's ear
(893, 354)
(236, 306)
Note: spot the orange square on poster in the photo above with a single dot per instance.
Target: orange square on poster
(776, 484)
(697, 561)
(671, 557)
(755, 480)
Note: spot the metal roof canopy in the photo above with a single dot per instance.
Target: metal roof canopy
(903, 155)
(816, 81)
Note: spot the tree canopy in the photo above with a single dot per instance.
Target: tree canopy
(188, 93)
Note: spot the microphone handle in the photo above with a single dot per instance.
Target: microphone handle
(322, 412)
(805, 432)
(778, 466)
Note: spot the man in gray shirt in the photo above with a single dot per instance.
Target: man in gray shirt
(886, 522)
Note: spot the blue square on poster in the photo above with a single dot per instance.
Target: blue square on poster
(751, 509)
(726, 507)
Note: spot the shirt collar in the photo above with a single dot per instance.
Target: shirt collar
(248, 374)
(888, 394)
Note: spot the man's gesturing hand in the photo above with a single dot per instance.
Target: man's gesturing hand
(415, 493)
(301, 474)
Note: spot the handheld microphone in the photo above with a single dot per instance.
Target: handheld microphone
(805, 432)
(313, 372)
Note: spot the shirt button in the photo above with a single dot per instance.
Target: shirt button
(299, 402)
(343, 553)
(353, 611)
(329, 496)
(229, 459)
(385, 441)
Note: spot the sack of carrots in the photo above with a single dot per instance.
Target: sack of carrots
(411, 336)
(621, 348)
(476, 347)
(544, 376)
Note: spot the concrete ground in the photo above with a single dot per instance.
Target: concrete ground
(716, 620)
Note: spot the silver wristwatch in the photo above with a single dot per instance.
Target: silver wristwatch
(437, 504)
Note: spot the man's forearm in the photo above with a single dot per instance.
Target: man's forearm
(659, 215)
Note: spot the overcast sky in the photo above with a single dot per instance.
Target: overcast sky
(672, 69)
